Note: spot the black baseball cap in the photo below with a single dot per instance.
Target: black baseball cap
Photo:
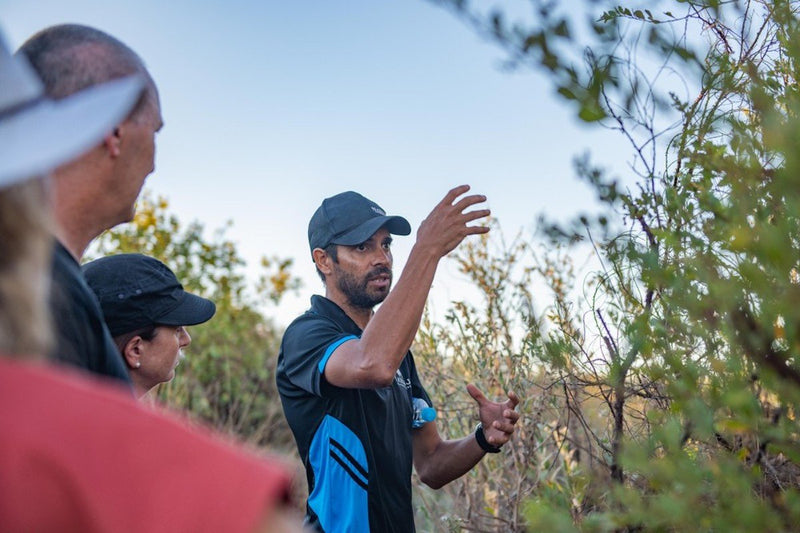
(137, 291)
(348, 218)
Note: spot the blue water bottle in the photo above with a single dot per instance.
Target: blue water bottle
(423, 412)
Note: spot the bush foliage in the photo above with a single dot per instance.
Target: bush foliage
(661, 390)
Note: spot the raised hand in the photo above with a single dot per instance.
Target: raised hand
(498, 419)
(446, 226)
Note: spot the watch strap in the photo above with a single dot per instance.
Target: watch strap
(482, 442)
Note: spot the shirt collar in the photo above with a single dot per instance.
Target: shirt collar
(328, 308)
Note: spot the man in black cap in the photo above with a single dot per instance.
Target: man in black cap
(146, 310)
(348, 381)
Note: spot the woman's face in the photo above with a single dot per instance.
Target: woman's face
(161, 354)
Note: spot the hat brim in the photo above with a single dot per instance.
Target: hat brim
(190, 311)
(396, 225)
(34, 141)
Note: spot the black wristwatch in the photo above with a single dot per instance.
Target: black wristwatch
(482, 442)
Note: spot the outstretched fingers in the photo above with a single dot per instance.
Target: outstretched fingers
(454, 193)
(465, 203)
(462, 204)
(469, 201)
(447, 225)
(475, 215)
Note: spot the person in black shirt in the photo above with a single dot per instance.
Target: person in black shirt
(346, 376)
(82, 338)
(97, 190)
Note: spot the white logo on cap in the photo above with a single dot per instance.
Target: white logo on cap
(378, 210)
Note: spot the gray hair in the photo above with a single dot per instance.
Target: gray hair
(71, 57)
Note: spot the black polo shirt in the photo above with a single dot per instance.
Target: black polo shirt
(355, 443)
(82, 337)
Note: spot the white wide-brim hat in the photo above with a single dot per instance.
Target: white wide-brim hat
(38, 134)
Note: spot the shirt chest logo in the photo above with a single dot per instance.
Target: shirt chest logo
(401, 381)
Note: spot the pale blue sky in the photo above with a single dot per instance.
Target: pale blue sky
(271, 106)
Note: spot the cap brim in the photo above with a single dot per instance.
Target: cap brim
(36, 140)
(192, 310)
(396, 225)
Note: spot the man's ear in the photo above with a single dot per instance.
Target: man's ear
(132, 353)
(113, 141)
(323, 261)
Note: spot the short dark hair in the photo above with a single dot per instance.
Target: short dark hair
(146, 333)
(72, 57)
(332, 250)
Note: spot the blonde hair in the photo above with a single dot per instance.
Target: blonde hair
(26, 247)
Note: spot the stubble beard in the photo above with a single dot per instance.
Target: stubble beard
(357, 290)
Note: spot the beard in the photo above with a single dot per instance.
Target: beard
(357, 290)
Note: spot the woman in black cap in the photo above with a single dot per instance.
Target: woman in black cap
(147, 311)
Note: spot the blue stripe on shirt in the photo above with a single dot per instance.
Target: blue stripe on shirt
(341, 479)
(330, 350)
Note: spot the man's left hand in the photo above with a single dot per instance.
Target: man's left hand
(498, 419)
